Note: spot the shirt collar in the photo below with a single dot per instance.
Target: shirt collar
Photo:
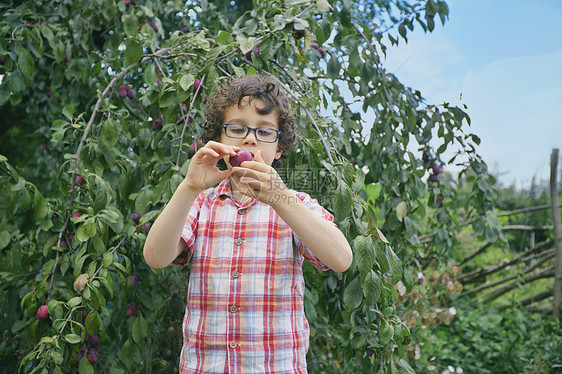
(223, 190)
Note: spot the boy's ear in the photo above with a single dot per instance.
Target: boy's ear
(278, 153)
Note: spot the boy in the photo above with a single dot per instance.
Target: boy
(246, 237)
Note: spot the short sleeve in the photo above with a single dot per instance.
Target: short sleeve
(317, 209)
(189, 231)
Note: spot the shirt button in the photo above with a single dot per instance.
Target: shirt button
(235, 274)
(238, 241)
(242, 211)
(233, 344)
(233, 309)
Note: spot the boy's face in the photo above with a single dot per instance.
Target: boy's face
(249, 116)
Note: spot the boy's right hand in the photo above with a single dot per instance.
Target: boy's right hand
(203, 171)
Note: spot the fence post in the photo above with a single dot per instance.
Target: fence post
(557, 232)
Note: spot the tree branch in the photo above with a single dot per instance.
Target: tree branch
(525, 228)
(532, 299)
(547, 256)
(546, 273)
(484, 272)
(525, 210)
(476, 254)
(97, 106)
(186, 122)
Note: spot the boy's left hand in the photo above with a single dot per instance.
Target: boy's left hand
(258, 180)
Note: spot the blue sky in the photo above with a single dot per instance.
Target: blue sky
(505, 58)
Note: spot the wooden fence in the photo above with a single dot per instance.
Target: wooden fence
(543, 260)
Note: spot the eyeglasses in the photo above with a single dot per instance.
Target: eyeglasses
(263, 134)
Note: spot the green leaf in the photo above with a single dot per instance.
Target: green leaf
(98, 243)
(386, 333)
(92, 322)
(130, 24)
(358, 182)
(353, 294)
(278, 23)
(319, 33)
(247, 44)
(372, 288)
(200, 41)
(401, 210)
(323, 5)
(343, 202)
(334, 68)
(186, 81)
(100, 199)
(25, 63)
(395, 264)
(406, 366)
(4, 239)
(143, 201)
(68, 111)
(40, 206)
(47, 32)
(87, 230)
(84, 367)
(364, 253)
(128, 353)
(133, 51)
(224, 38)
(382, 237)
(109, 133)
(73, 338)
(57, 358)
(382, 260)
(402, 30)
(75, 301)
(149, 74)
(107, 283)
(140, 326)
(83, 232)
(300, 24)
(168, 99)
(107, 259)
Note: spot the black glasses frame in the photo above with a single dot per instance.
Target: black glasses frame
(254, 129)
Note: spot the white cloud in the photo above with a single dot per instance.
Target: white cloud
(514, 103)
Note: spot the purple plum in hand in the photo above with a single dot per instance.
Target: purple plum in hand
(240, 157)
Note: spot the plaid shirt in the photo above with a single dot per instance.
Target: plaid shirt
(244, 310)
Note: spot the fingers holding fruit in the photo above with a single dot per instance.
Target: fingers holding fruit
(203, 172)
(214, 151)
(258, 180)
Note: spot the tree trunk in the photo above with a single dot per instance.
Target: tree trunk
(557, 232)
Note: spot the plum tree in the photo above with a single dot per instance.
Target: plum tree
(122, 112)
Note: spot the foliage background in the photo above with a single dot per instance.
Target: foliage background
(74, 244)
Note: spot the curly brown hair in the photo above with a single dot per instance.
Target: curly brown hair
(259, 87)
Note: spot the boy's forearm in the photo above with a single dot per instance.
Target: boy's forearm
(322, 237)
(162, 242)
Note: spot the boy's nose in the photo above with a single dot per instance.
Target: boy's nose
(250, 138)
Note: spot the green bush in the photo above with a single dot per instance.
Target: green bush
(489, 341)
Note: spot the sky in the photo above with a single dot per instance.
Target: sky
(503, 60)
